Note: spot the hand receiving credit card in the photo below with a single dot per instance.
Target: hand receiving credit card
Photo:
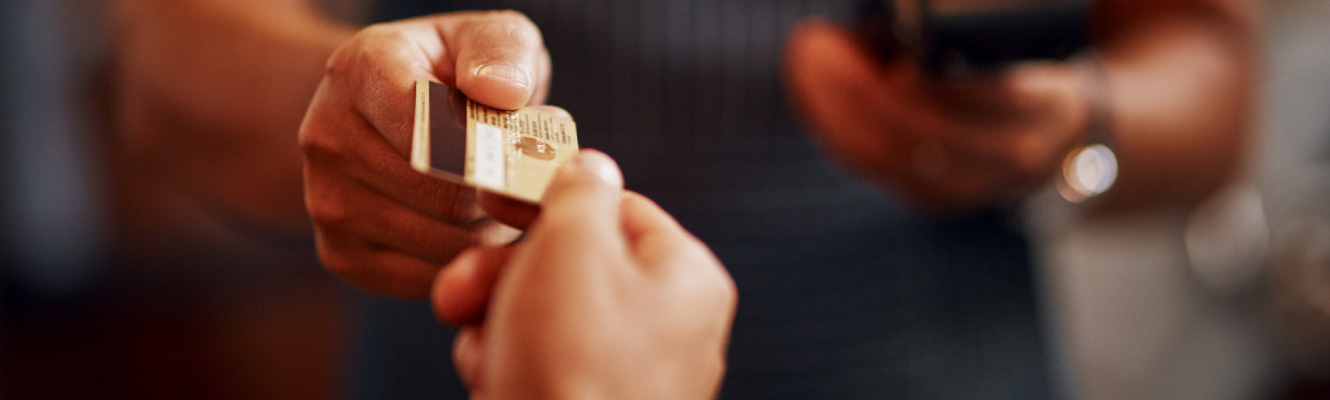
(514, 153)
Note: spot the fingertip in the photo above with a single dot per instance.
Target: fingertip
(462, 289)
(447, 293)
(598, 165)
(467, 356)
(466, 293)
(584, 192)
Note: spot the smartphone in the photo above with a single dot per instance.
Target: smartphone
(963, 36)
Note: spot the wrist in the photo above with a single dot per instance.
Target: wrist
(1091, 169)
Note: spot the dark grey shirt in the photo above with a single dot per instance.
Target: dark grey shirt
(843, 294)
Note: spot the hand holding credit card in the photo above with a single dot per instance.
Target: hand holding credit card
(513, 153)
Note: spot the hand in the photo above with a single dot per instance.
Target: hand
(946, 145)
(378, 223)
(606, 297)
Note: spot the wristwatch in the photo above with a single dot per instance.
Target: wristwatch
(1090, 170)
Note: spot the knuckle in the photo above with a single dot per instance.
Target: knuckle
(311, 138)
(336, 65)
(511, 26)
(386, 36)
(451, 202)
(354, 261)
(726, 288)
(368, 276)
(306, 135)
(379, 33)
(334, 261)
(314, 151)
(460, 203)
(346, 56)
(329, 214)
(515, 17)
(714, 280)
(717, 291)
(365, 50)
(323, 141)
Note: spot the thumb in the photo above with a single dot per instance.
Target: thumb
(501, 59)
(584, 194)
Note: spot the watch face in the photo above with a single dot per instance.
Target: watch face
(1088, 172)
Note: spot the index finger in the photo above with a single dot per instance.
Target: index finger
(651, 232)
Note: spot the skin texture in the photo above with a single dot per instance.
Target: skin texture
(1180, 80)
(378, 223)
(603, 280)
(1180, 75)
(215, 91)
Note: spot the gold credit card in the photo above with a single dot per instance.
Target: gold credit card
(514, 153)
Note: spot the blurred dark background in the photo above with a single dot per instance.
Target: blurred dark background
(113, 285)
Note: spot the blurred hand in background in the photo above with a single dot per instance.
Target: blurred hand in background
(1178, 76)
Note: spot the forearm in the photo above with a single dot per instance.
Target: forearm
(213, 92)
(1182, 82)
